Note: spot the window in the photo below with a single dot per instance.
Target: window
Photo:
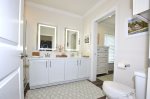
(109, 40)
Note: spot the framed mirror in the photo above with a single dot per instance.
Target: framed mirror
(46, 37)
(72, 40)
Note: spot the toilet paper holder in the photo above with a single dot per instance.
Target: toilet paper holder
(123, 66)
(127, 65)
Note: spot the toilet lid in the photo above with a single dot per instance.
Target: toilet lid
(117, 88)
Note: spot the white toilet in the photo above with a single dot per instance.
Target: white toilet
(114, 90)
(140, 85)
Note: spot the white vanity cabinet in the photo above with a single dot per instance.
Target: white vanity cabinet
(77, 68)
(84, 67)
(140, 6)
(44, 72)
(71, 69)
(38, 70)
(56, 70)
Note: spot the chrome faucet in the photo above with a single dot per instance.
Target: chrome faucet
(47, 55)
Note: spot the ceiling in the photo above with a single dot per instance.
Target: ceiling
(79, 7)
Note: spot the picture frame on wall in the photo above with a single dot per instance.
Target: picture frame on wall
(136, 25)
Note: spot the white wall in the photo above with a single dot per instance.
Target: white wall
(132, 50)
(41, 14)
(105, 28)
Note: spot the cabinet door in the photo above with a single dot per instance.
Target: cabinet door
(38, 72)
(84, 66)
(140, 6)
(56, 70)
(71, 69)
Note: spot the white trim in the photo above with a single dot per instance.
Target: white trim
(44, 7)
(94, 36)
(93, 51)
(112, 10)
(20, 15)
(58, 83)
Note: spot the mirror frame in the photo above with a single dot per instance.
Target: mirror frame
(49, 26)
(77, 41)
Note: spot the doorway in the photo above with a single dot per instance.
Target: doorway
(103, 48)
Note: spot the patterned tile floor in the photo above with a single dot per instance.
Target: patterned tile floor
(75, 90)
(99, 84)
(108, 77)
(103, 77)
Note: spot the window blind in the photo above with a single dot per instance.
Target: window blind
(109, 40)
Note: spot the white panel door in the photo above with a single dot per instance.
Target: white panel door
(9, 16)
(38, 72)
(11, 86)
(84, 68)
(56, 70)
(71, 69)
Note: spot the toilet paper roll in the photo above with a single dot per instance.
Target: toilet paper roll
(121, 65)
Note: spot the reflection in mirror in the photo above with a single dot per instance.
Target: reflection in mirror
(72, 39)
(46, 37)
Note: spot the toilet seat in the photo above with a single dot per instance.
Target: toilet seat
(116, 90)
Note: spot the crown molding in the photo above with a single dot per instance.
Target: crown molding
(44, 7)
(94, 7)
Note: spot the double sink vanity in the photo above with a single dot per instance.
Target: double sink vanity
(46, 71)
(52, 71)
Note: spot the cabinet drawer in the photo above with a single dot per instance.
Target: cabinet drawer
(101, 70)
(102, 64)
(102, 49)
(102, 54)
(102, 60)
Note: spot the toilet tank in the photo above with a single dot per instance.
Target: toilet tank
(140, 85)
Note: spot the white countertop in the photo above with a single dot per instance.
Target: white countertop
(30, 58)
